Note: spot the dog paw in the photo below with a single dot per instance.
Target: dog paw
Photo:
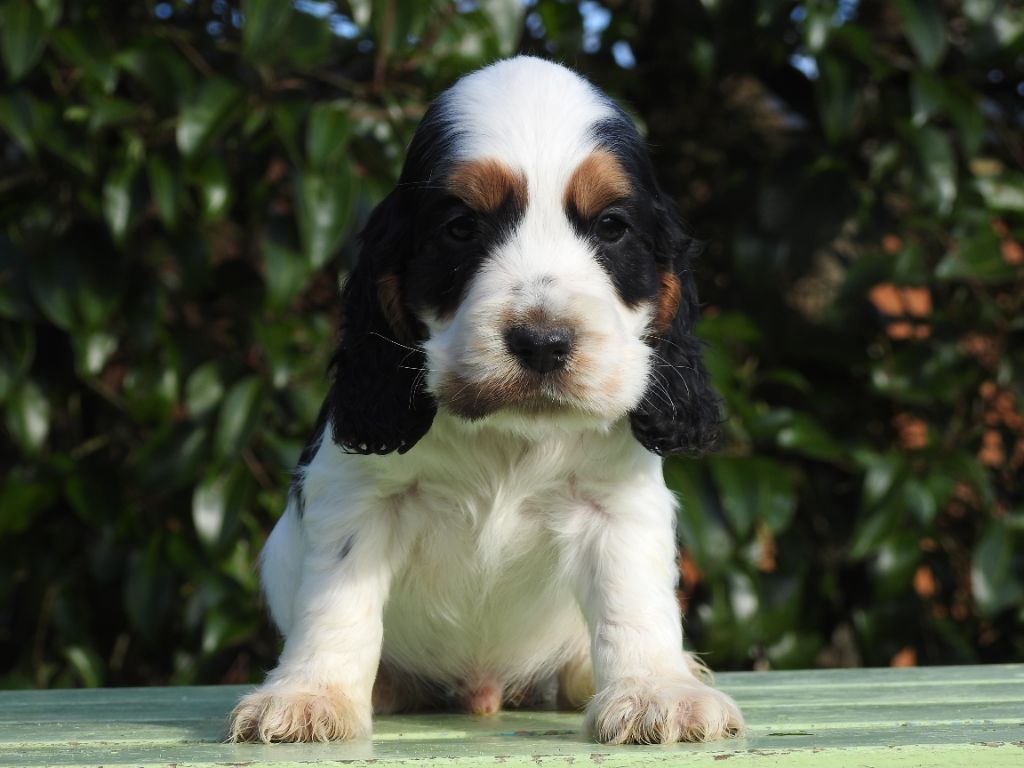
(645, 711)
(278, 715)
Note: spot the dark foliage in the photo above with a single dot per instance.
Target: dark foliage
(180, 183)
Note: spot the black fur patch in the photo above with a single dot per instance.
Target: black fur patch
(442, 267)
(680, 412)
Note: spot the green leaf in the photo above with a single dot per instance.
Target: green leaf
(927, 96)
(925, 28)
(327, 134)
(752, 490)
(117, 199)
(15, 286)
(992, 583)
(51, 10)
(325, 201)
(265, 23)
(87, 48)
(92, 351)
(215, 505)
(17, 352)
(287, 117)
(1002, 193)
(106, 111)
(873, 528)
(700, 531)
(24, 119)
(215, 189)
(287, 271)
(506, 18)
(87, 664)
(977, 258)
(309, 41)
(148, 591)
(238, 415)
(208, 110)
(938, 164)
(22, 37)
(798, 432)
(164, 186)
(170, 458)
(78, 281)
(838, 97)
(22, 498)
(159, 68)
(27, 416)
(204, 389)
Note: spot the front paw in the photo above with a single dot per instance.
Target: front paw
(646, 711)
(274, 714)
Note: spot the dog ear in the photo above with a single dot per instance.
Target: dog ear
(377, 401)
(680, 412)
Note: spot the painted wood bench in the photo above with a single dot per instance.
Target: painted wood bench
(949, 716)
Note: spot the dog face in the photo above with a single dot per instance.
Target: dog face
(526, 270)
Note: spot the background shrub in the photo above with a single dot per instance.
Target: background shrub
(180, 183)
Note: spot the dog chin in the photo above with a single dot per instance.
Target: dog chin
(530, 416)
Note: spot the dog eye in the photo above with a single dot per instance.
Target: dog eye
(461, 228)
(610, 229)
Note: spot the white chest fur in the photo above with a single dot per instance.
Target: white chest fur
(480, 533)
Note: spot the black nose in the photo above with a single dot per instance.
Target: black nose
(540, 349)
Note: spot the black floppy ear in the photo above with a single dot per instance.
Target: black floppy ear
(679, 412)
(377, 402)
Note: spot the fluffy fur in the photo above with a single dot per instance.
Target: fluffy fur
(481, 509)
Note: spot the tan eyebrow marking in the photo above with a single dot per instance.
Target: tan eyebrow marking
(484, 185)
(598, 181)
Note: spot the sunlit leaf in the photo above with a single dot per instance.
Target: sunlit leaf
(117, 199)
(27, 415)
(207, 111)
(204, 389)
(506, 18)
(93, 350)
(938, 163)
(325, 202)
(1003, 193)
(238, 415)
(992, 585)
(87, 664)
(214, 186)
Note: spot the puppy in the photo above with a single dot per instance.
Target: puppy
(481, 508)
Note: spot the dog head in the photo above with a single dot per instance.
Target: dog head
(525, 269)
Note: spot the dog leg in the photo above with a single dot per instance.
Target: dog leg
(322, 687)
(647, 691)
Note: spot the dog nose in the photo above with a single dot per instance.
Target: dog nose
(539, 349)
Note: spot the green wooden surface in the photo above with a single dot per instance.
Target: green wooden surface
(950, 716)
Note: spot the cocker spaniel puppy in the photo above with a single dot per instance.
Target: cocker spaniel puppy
(481, 510)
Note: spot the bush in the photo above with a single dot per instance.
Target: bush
(180, 185)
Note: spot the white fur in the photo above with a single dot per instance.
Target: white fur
(496, 553)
